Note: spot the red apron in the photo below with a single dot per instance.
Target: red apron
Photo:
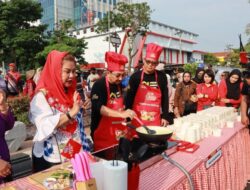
(110, 129)
(147, 103)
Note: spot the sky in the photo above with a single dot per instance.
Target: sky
(217, 22)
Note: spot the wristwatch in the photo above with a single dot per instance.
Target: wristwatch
(68, 115)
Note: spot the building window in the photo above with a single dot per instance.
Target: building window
(104, 1)
(94, 15)
(110, 2)
(99, 15)
(114, 2)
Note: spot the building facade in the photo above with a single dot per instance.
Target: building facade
(198, 56)
(178, 44)
(81, 12)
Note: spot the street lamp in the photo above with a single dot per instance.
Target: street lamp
(3, 66)
(180, 50)
(115, 40)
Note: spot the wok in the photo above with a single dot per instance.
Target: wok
(162, 133)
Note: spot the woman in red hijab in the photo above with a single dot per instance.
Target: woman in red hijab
(54, 110)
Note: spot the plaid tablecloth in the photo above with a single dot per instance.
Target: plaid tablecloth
(230, 172)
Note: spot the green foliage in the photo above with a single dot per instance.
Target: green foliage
(248, 29)
(210, 59)
(247, 47)
(233, 59)
(60, 41)
(20, 106)
(191, 67)
(135, 17)
(19, 39)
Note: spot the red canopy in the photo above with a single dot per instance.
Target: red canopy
(93, 65)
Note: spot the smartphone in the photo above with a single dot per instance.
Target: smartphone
(80, 91)
(79, 87)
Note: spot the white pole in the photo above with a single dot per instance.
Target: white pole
(3, 68)
(56, 14)
(180, 60)
(109, 24)
(180, 48)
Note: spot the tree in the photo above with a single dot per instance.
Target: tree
(133, 17)
(191, 67)
(20, 39)
(247, 47)
(209, 58)
(248, 26)
(248, 29)
(60, 41)
(233, 59)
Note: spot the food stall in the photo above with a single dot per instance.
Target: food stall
(220, 161)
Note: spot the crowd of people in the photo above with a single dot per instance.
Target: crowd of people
(148, 95)
(201, 92)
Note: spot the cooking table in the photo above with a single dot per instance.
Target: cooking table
(231, 171)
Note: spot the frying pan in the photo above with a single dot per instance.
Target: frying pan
(162, 133)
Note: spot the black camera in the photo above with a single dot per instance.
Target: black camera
(79, 87)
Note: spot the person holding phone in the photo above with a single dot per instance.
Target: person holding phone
(107, 104)
(13, 80)
(54, 110)
(7, 121)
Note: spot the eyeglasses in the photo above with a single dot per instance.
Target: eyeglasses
(151, 62)
(118, 75)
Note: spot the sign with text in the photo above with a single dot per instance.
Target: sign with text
(213, 157)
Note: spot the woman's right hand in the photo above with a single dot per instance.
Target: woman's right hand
(5, 168)
(78, 103)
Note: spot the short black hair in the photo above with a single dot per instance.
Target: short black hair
(180, 70)
(210, 73)
(187, 72)
(210, 65)
(92, 69)
(246, 74)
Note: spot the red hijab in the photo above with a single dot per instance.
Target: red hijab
(51, 79)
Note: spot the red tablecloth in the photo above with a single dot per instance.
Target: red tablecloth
(231, 171)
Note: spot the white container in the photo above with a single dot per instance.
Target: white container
(230, 124)
(191, 135)
(239, 118)
(217, 132)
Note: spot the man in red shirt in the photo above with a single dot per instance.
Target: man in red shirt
(13, 79)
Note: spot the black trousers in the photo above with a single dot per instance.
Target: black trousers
(40, 164)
